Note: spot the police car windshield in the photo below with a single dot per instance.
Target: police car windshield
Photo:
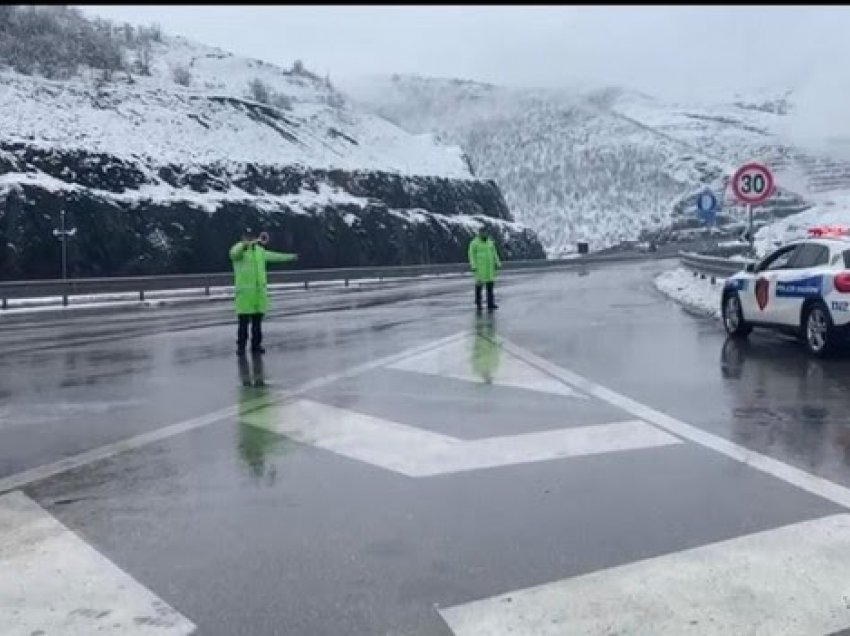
(847, 259)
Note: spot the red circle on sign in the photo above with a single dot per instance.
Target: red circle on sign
(754, 169)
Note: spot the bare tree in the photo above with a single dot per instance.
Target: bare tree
(181, 75)
(56, 40)
(143, 58)
(259, 91)
(281, 101)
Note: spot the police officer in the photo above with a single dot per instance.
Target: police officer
(484, 261)
(249, 259)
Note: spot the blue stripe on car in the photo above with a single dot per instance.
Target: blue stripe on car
(802, 288)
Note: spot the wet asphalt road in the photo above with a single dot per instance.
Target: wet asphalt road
(246, 531)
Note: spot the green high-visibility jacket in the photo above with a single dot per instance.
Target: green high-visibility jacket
(249, 273)
(484, 259)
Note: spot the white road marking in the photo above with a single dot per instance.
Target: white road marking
(795, 476)
(416, 452)
(458, 361)
(106, 451)
(53, 582)
(787, 581)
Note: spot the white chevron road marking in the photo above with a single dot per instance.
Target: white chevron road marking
(53, 582)
(480, 360)
(416, 452)
(790, 581)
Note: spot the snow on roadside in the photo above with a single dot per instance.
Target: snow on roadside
(695, 294)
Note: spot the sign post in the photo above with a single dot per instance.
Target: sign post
(62, 234)
(752, 184)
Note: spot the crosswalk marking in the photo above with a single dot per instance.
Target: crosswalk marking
(480, 360)
(791, 474)
(791, 581)
(53, 582)
(85, 458)
(416, 452)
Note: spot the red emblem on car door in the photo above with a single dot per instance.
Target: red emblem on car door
(762, 296)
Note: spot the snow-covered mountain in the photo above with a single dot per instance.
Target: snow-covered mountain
(608, 165)
(215, 117)
(178, 145)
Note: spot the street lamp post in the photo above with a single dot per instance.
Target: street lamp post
(62, 234)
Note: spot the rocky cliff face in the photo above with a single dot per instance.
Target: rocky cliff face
(136, 219)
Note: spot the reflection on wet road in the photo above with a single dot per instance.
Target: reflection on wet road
(788, 404)
(411, 467)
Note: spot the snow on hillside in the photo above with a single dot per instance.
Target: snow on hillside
(742, 130)
(157, 120)
(832, 212)
(573, 174)
(602, 165)
(569, 168)
(159, 150)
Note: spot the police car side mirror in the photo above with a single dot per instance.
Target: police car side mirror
(750, 268)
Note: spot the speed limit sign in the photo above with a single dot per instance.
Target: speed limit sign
(752, 183)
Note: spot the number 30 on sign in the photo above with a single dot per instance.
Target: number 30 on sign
(752, 183)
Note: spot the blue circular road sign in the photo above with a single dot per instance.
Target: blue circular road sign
(706, 202)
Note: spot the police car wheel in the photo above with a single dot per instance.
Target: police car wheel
(733, 316)
(817, 330)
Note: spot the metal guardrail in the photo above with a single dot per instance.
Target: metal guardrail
(711, 266)
(190, 282)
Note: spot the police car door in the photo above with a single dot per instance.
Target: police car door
(761, 299)
(800, 280)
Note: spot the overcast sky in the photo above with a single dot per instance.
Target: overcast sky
(668, 51)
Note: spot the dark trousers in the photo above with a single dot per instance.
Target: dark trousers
(256, 322)
(490, 300)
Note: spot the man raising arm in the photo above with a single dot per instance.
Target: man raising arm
(249, 260)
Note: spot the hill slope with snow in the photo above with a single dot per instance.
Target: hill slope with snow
(215, 118)
(605, 166)
(160, 150)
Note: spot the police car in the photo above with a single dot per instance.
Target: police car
(802, 288)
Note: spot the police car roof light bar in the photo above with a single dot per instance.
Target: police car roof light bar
(829, 230)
